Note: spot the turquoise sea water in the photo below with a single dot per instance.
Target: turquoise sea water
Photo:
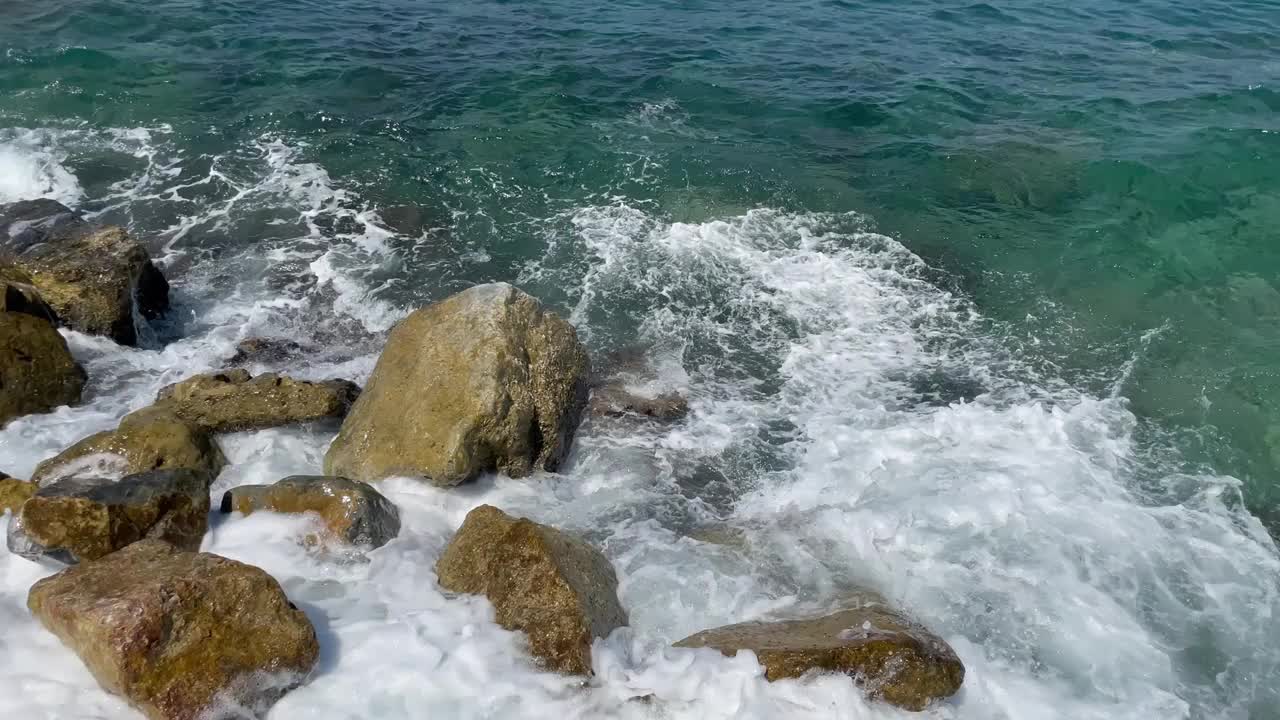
(853, 221)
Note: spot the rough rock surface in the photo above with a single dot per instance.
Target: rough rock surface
(235, 400)
(614, 399)
(891, 657)
(81, 519)
(18, 294)
(352, 511)
(553, 586)
(180, 635)
(14, 492)
(93, 278)
(37, 372)
(150, 439)
(265, 350)
(496, 382)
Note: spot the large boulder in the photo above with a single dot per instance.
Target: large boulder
(486, 380)
(890, 656)
(180, 635)
(81, 519)
(37, 372)
(235, 400)
(352, 511)
(553, 586)
(19, 294)
(95, 279)
(150, 439)
(14, 492)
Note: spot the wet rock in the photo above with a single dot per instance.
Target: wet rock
(352, 511)
(614, 399)
(14, 492)
(235, 400)
(891, 657)
(93, 278)
(81, 519)
(18, 294)
(497, 384)
(150, 439)
(180, 635)
(37, 372)
(259, 350)
(553, 586)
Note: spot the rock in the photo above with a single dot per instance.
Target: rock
(150, 439)
(80, 519)
(352, 511)
(615, 400)
(235, 400)
(14, 492)
(180, 635)
(891, 657)
(37, 372)
(497, 384)
(18, 294)
(553, 586)
(265, 350)
(93, 278)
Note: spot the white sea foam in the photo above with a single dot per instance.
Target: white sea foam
(31, 166)
(1012, 514)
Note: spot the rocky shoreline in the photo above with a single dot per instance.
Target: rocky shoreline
(485, 381)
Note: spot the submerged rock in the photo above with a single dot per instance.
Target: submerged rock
(95, 279)
(37, 372)
(553, 586)
(891, 657)
(235, 400)
(265, 350)
(81, 519)
(150, 439)
(180, 635)
(352, 511)
(486, 380)
(614, 399)
(14, 492)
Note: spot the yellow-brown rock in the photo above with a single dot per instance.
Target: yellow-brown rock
(352, 512)
(150, 439)
(180, 635)
(37, 372)
(553, 586)
(14, 492)
(80, 519)
(235, 400)
(890, 656)
(18, 294)
(485, 380)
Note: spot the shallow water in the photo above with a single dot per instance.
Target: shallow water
(974, 306)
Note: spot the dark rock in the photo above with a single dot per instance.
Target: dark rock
(81, 519)
(18, 294)
(615, 400)
(265, 351)
(553, 586)
(180, 635)
(352, 511)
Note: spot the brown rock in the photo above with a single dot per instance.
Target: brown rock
(235, 400)
(17, 294)
(613, 399)
(888, 655)
(180, 635)
(553, 586)
(81, 519)
(150, 439)
(496, 383)
(352, 511)
(37, 372)
(93, 278)
(14, 492)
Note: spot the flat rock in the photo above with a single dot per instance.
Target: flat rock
(890, 656)
(352, 511)
(561, 592)
(93, 278)
(150, 439)
(180, 635)
(235, 400)
(265, 350)
(497, 383)
(80, 519)
(14, 492)
(37, 372)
